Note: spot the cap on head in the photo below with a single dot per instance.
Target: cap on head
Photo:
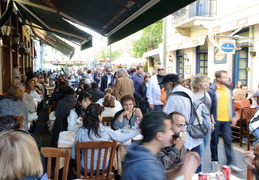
(170, 78)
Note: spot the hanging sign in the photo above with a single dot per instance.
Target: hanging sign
(227, 46)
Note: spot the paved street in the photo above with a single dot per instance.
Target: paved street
(222, 158)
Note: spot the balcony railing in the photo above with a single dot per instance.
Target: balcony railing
(200, 8)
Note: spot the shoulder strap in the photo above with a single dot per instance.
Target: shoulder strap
(184, 94)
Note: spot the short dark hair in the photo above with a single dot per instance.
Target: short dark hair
(219, 73)
(139, 66)
(152, 123)
(9, 122)
(175, 113)
(69, 90)
(127, 97)
(94, 85)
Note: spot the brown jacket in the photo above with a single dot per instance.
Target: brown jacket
(123, 86)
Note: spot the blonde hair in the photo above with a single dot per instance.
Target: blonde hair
(239, 94)
(196, 82)
(19, 156)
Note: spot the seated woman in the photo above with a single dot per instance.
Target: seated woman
(109, 106)
(108, 91)
(240, 101)
(93, 130)
(75, 118)
(29, 90)
(19, 157)
(128, 115)
(13, 104)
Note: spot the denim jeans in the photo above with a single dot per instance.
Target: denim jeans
(198, 150)
(225, 129)
(158, 107)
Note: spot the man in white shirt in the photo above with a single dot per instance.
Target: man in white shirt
(154, 89)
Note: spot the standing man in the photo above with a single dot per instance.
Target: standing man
(16, 71)
(223, 113)
(172, 156)
(106, 79)
(123, 85)
(137, 79)
(154, 89)
(141, 162)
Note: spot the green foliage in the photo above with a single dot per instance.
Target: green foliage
(150, 38)
(104, 53)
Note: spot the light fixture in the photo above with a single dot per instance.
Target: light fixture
(253, 53)
(186, 57)
(16, 39)
(170, 58)
(22, 45)
(27, 50)
(6, 30)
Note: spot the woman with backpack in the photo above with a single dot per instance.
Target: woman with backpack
(199, 86)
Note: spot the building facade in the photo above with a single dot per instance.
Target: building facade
(194, 35)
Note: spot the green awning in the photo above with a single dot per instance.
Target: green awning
(52, 22)
(55, 42)
(114, 19)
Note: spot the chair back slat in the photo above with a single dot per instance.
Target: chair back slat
(107, 121)
(78, 173)
(96, 148)
(55, 153)
(98, 162)
(49, 167)
(85, 162)
(104, 161)
(92, 163)
(57, 164)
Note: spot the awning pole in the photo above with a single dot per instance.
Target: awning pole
(164, 43)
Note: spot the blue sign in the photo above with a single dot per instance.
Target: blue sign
(227, 47)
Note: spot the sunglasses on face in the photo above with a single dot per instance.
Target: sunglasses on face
(160, 69)
(148, 76)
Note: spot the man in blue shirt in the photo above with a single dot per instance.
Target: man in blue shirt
(137, 79)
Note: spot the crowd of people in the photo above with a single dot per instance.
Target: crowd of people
(167, 151)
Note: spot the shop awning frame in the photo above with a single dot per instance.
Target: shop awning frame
(115, 19)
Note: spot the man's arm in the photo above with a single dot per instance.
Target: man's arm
(190, 164)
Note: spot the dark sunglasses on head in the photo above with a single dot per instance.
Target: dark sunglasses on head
(160, 69)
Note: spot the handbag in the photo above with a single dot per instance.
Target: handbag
(66, 139)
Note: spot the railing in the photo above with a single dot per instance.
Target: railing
(200, 8)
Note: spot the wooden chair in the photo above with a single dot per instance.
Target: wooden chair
(246, 115)
(49, 153)
(20, 118)
(98, 147)
(135, 140)
(107, 121)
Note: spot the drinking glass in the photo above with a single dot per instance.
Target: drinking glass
(215, 167)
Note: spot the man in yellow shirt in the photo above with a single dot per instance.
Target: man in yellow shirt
(224, 114)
